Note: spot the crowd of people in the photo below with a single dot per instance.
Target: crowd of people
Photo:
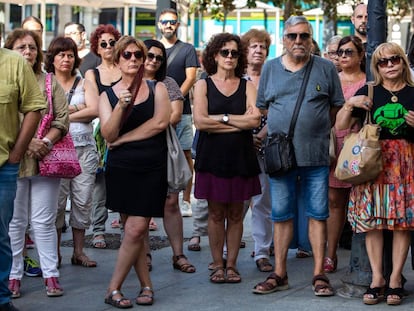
(117, 99)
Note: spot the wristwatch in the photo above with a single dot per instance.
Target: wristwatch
(225, 118)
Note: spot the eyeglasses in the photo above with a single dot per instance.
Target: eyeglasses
(332, 54)
(172, 22)
(303, 36)
(24, 47)
(105, 44)
(127, 55)
(158, 58)
(226, 53)
(383, 62)
(347, 52)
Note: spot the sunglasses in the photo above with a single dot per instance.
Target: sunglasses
(158, 58)
(226, 53)
(127, 55)
(303, 36)
(383, 62)
(347, 52)
(104, 44)
(172, 22)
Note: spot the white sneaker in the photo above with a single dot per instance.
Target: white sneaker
(185, 208)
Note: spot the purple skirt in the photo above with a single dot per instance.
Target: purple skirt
(225, 190)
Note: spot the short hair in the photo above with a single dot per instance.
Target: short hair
(213, 47)
(61, 44)
(257, 35)
(394, 49)
(79, 26)
(357, 5)
(162, 71)
(169, 10)
(99, 31)
(333, 40)
(316, 50)
(357, 42)
(20, 33)
(32, 19)
(294, 20)
(123, 43)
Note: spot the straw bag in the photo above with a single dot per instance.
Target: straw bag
(62, 160)
(360, 159)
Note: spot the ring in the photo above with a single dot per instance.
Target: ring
(127, 99)
(366, 104)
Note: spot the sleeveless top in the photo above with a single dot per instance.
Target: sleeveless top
(102, 87)
(81, 132)
(142, 155)
(226, 154)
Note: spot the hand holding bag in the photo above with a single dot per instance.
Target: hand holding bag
(178, 170)
(279, 152)
(360, 159)
(62, 160)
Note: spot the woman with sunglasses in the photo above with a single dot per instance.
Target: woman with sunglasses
(37, 196)
(351, 57)
(226, 165)
(155, 69)
(136, 170)
(106, 75)
(63, 61)
(386, 203)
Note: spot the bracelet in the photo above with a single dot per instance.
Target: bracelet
(348, 109)
(48, 142)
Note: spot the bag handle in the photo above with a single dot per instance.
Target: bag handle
(368, 118)
(300, 98)
(48, 87)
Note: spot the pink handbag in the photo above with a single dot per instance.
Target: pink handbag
(62, 160)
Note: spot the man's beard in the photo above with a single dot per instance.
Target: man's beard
(169, 35)
(361, 31)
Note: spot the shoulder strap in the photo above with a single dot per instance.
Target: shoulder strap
(370, 85)
(300, 97)
(73, 88)
(48, 87)
(174, 53)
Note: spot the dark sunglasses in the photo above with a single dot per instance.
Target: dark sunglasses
(172, 22)
(105, 44)
(383, 62)
(347, 52)
(158, 58)
(127, 55)
(303, 36)
(226, 53)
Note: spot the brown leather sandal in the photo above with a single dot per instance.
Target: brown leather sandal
(268, 287)
(264, 265)
(186, 266)
(324, 289)
(83, 261)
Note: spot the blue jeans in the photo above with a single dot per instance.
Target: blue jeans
(8, 186)
(307, 184)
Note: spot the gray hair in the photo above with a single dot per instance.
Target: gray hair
(333, 40)
(294, 20)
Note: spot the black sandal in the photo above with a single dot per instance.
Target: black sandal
(376, 295)
(394, 301)
(117, 303)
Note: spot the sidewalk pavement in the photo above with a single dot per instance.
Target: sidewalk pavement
(84, 288)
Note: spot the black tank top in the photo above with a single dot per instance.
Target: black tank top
(102, 87)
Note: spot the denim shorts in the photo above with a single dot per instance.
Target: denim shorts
(307, 184)
(184, 131)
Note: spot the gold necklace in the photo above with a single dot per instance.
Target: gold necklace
(394, 97)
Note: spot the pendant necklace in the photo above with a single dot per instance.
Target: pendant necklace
(394, 97)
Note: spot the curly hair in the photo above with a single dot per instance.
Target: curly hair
(20, 33)
(97, 34)
(123, 43)
(257, 35)
(357, 42)
(61, 44)
(162, 71)
(214, 46)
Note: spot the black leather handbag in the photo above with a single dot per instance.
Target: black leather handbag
(279, 153)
